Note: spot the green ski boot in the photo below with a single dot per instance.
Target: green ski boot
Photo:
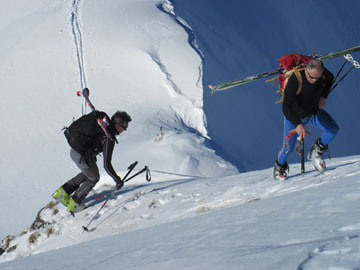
(61, 196)
(73, 206)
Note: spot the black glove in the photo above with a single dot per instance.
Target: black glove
(119, 183)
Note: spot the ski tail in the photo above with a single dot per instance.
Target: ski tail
(231, 84)
(85, 94)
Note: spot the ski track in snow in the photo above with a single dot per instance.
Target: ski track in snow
(76, 30)
(78, 40)
(174, 197)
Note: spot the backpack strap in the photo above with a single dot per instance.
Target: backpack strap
(288, 74)
(103, 123)
(297, 73)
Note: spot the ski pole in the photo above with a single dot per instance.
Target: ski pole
(148, 178)
(302, 157)
(130, 168)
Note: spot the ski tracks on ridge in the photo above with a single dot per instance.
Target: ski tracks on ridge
(76, 28)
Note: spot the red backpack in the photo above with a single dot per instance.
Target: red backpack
(292, 63)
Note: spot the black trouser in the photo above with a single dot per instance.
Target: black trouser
(82, 183)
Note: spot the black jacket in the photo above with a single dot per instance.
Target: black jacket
(86, 136)
(296, 107)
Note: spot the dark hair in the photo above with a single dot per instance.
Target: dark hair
(120, 117)
(316, 64)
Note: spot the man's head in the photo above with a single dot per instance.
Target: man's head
(314, 70)
(121, 121)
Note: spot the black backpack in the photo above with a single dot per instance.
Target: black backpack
(85, 134)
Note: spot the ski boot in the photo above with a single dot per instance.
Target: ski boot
(73, 206)
(280, 171)
(315, 155)
(61, 196)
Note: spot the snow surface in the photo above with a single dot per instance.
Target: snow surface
(245, 221)
(198, 212)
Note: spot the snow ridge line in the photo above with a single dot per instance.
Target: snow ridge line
(163, 69)
(78, 40)
(168, 8)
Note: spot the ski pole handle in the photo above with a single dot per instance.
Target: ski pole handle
(130, 168)
(148, 174)
(145, 169)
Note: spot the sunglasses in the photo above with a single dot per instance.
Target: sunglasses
(123, 127)
(311, 77)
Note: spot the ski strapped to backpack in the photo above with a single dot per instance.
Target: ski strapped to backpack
(231, 84)
(103, 122)
(83, 133)
(291, 63)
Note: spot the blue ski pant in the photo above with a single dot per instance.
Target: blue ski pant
(321, 120)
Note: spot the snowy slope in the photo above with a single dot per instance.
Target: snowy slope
(246, 221)
(127, 53)
(198, 212)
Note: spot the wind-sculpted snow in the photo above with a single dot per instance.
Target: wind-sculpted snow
(173, 197)
(168, 8)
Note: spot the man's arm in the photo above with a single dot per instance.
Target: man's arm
(108, 149)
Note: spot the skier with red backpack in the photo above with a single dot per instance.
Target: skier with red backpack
(88, 136)
(304, 96)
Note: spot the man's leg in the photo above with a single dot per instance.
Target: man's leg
(281, 166)
(288, 145)
(329, 128)
(74, 183)
(87, 179)
(327, 124)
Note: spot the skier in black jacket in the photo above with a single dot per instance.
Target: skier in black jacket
(300, 109)
(87, 139)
